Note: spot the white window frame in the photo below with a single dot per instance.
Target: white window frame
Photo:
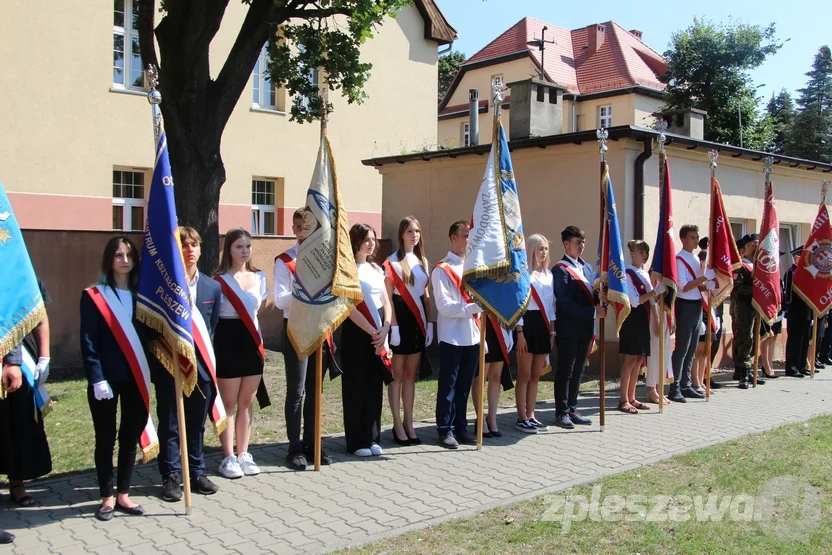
(743, 227)
(793, 231)
(128, 34)
(127, 204)
(466, 134)
(605, 116)
(261, 83)
(258, 211)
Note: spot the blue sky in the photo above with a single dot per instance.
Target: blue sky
(805, 22)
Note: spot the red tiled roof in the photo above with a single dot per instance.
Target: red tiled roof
(621, 61)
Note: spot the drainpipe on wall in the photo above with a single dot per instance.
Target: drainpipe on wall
(473, 117)
(638, 189)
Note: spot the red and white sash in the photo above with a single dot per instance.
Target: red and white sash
(121, 326)
(580, 277)
(369, 310)
(415, 306)
(547, 321)
(705, 305)
(291, 265)
(457, 281)
(205, 347)
(234, 293)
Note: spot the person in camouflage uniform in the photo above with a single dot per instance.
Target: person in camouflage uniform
(743, 313)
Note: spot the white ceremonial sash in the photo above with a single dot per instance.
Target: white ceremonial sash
(237, 290)
(205, 347)
(43, 402)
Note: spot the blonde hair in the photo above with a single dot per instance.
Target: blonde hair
(639, 245)
(418, 250)
(532, 243)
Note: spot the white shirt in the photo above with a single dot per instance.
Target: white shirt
(192, 286)
(282, 283)
(584, 269)
(252, 298)
(632, 291)
(544, 284)
(683, 276)
(125, 297)
(372, 280)
(455, 326)
(420, 276)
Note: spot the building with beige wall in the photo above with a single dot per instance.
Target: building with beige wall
(76, 150)
(608, 75)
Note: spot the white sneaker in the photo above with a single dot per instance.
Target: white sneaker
(363, 453)
(376, 449)
(230, 468)
(246, 463)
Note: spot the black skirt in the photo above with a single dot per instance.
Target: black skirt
(358, 352)
(24, 451)
(495, 352)
(412, 338)
(236, 352)
(538, 340)
(634, 337)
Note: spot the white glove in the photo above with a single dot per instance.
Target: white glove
(429, 338)
(702, 328)
(710, 274)
(472, 308)
(395, 337)
(42, 370)
(660, 288)
(102, 391)
(711, 286)
(718, 323)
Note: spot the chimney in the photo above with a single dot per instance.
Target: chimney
(595, 37)
(688, 123)
(636, 33)
(536, 109)
(473, 117)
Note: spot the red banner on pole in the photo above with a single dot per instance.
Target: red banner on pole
(813, 277)
(723, 255)
(766, 297)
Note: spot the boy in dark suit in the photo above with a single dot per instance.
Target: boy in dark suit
(205, 298)
(575, 302)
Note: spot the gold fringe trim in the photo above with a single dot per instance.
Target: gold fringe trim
(488, 272)
(763, 318)
(20, 330)
(485, 305)
(818, 313)
(319, 339)
(150, 452)
(546, 370)
(176, 344)
(622, 299)
(221, 426)
(716, 301)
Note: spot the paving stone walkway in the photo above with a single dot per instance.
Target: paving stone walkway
(356, 501)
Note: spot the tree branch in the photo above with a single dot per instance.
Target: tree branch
(145, 24)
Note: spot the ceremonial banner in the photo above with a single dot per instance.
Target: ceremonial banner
(326, 282)
(163, 301)
(766, 296)
(723, 256)
(609, 267)
(21, 305)
(663, 268)
(813, 277)
(496, 271)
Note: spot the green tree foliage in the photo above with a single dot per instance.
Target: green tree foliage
(448, 68)
(708, 67)
(780, 112)
(810, 136)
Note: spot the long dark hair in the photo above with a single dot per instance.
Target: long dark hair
(106, 276)
(418, 250)
(225, 260)
(358, 233)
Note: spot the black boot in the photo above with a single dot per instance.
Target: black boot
(743, 379)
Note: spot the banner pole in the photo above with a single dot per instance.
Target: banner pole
(708, 341)
(757, 327)
(481, 381)
(602, 347)
(183, 440)
(813, 347)
(662, 369)
(319, 366)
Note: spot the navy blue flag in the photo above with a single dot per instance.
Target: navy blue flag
(609, 266)
(164, 302)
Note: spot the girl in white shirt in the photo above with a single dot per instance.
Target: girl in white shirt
(407, 268)
(535, 336)
(238, 352)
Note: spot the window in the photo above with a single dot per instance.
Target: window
(737, 228)
(789, 240)
(128, 199)
(605, 117)
(313, 76)
(263, 207)
(265, 92)
(466, 134)
(127, 59)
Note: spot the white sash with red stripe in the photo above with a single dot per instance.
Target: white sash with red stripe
(415, 306)
(234, 293)
(205, 347)
(457, 281)
(369, 310)
(705, 305)
(121, 326)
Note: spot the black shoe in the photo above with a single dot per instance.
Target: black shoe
(414, 440)
(485, 433)
(496, 433)
(715, 384)
(326, 460)
(171, 491)
(403, 442)
(676, 396)
(563, 421)
(826, 360)
(760, 379)
(793, 373)
(806, 372)
(6, 537)
(104, 513)
(771, 376)
(743, 384)
(691, 393)
(819, 365)
(736, 375)
(465, 439)
(297, 461)
(133, 511)
(579, 420)
(204, 486)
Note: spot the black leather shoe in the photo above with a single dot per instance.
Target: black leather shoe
(826, 360)
(716, 385)
(792, 373)
(403, 442)
(104, 513)
(806, 372)
(204, 486)
(676, 396)
(297, 461)
(691, 393)
(171, 491)
(6, 537)
(138, 510)
(760, 379)
(578, 419)
(326, 460)
(743, 384)
(563, 421)
(414, 440)
(819, 365)
(736, 375)
(465, 439)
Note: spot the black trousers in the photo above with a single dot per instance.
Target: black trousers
(572, 355)
(299, 381)
(456, 376)
(197, 406)
(133, 420)
(361, 388)
(797, 342)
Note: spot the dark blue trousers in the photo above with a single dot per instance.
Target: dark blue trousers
(456, 376)
(196, 411)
